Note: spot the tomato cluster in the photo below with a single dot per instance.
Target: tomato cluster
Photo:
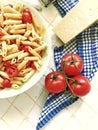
(69, 78)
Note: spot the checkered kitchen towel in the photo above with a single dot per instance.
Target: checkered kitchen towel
(86, 45)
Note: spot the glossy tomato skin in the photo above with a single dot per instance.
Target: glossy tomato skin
(6, 83)
(1, 33)
(55, 82)
(72, 64)
(12, 71)
(26, 16)
(80, 85)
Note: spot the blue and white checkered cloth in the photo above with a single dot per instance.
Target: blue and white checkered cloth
(86, 45)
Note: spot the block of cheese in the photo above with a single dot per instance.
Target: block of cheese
(80, 17)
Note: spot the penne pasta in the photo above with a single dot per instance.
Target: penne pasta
(33, 52)
(10, 22)
(25, 71)
(22, 64)
(16, 82)
(4, 49)
(22, 55)
(20, 46)
(19, 7)
(19, 26)
(31, 58)
(28, 75)
(40, 48)
(4, 74)
(12, 56)
(1, 19)
(18, 78)
(15, 86)
(13, 16)
(12, 37)
(1, 80)
(13, 31)
(8, 9)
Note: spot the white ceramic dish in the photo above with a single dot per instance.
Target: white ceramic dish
(5, 93)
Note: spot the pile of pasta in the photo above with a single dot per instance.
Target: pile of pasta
(16, 36)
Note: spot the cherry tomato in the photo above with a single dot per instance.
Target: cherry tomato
(7, 63)
(1, 33)
(79, 85)
(12, 71)
(72, 64)
(55, 82)
(33, 66)
(26, 16)
(26, 10)
(6, 83)
(28, 64)
(24, 47)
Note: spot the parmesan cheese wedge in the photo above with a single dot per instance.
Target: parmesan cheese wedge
(79, 18)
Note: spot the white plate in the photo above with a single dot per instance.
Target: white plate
(5, 93)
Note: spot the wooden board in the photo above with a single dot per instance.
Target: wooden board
(80, 17)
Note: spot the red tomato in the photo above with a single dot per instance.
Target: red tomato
(79, 85)
(24, 47)
(1, 33)
(13, 41)
(7, 63)
(27, 10)
(26, 16)
(28, 64)
(6, 83)
(33, 66)
(12, 71)
(55, 82)
(72, 64)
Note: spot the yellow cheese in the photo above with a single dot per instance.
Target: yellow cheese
(80, 17)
